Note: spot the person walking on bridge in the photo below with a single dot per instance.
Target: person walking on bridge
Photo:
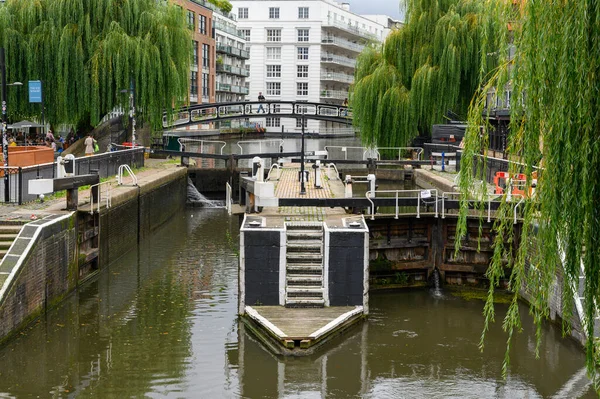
(261, 98)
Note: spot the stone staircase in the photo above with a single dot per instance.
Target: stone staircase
(304, 265)
(8, 234)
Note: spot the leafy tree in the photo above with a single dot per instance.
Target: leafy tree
(87, 51)
(426, 68)
(555, 126)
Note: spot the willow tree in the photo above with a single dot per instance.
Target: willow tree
(428, 67)
(86, 51)
(555, 126)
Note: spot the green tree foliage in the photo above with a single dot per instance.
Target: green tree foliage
(86, 51)
(427, 67)
(555, 125)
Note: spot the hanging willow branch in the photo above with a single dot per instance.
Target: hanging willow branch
(426, 68)
(555, 125)
(87, 51)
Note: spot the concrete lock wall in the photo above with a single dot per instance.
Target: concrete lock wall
(46, 274)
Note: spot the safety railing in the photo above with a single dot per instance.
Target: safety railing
(489, 200)
(228, 196)
(260, 143)
(347, 152)
(120, 175)
(337, 172)
(203, 143)
(107, 195)
(420, 195)
(274, 166)
(418, 150)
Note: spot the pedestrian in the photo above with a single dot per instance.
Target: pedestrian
(89, 145)
(261, 98)
(50, 135)
(345, 104)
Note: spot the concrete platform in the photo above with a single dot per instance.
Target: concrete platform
(298, 331)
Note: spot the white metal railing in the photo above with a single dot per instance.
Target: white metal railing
(126, 168)
(418, 150)
(361, 152)
(260, 142)
(421, 195)
(490, 198)
(350, 28)
(337, 172)
(274, 166)
(342, 43)
(107, 195)
(332, 130)
(228, 195)
(337, 94)
(338, 59)
(182, 142)
(117, 111)
(338, 77)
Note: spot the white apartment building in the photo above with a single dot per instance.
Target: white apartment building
(302, 51)
(231, 59)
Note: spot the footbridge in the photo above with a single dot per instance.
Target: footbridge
(213, 112)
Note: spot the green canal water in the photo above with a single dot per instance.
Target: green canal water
(161, 323)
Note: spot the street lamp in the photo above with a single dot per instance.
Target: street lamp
(131, 92)
(4, 122)
(302, 177)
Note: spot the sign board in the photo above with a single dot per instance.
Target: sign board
(35, 91)
(425, 194)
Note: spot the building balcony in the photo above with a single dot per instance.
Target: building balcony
(232, 70)
(227, 88)
(337, 77)
(352, 29)
(228, 29)
(215, 9)
(334, 94)
(345, 44)
(337, 59)
(232, 51)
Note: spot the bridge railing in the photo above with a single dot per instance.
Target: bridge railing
(422, 198)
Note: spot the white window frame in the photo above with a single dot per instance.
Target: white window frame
(302, 71)
(273, 12)
(299, 123)
(301, 54)
(302, 89)
(303, 13)
(272, 56)
(273, 122)
(245, 33)
(242, 12)
(303, 34)
(273, 89)
(273, 71)
(273, 35)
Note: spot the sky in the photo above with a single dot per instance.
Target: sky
(387, 7)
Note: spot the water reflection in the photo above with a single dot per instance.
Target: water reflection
(161, 322)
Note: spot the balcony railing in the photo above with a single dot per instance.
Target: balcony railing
(215, 9)
(348, 45)
(337, 77)
(227, 88)
(227, 28)
(351, 29)
(338, 59)
(335, 94)
(236, 52)
(233, 70)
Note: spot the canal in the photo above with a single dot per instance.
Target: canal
(161, 322)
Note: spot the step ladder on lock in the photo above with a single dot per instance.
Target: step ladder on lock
(304, 267)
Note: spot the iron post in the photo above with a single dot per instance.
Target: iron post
(302, 187)
(4, 128)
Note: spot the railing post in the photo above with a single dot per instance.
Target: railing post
(20, 192)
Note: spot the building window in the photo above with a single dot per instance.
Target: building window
(299, 122)
(245, 34)
(302, 71)
(273, 88)
(303, 53)
(273, 53)
(195, 54)
(273, 122)
(273, 35)
(194, 84)
(205, 56)
(273, 12)
(191, 19)
(302, 35)
(243, 13)
(205, 90)
(302, 12)
(302, 89)
(202, 26)
(273, 71)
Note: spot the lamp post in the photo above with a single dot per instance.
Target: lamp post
(4, 122)
(302, 187)
(131, 92)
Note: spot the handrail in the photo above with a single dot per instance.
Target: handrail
(228, 195)
(489, 203)
(108, 194)
(419, 151)
(123, 168)
(182, 145)
(259, 142)
(419, 193)
(337, 172)
(327, 147)
(275, 165)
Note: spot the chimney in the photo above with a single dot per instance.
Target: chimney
(346, 6)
